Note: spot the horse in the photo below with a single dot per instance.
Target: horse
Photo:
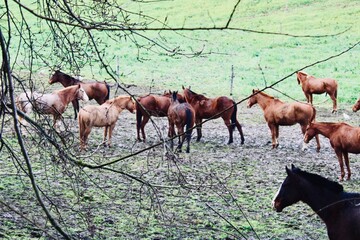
(356, 106)
(152, 105)
(311, 85)
(339, 210)
(179, 115)
(54, 103)
(105, 115)
(212, 108)
(278, 113)
(95, 90)
(344, 139)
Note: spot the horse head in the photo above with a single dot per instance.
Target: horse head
(252, 100)
(81, 94)
(130, 105)
(356, 106)
(309, 133)
(55, 77)
(301, 76)
(288, 192)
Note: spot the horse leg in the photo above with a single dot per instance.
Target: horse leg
(230, 129)
(339, 153)
(171, 133)
(239, 128)
(75, 104)
(333, 98)
(182, 138)
(277, 136)
(105, 134)
(111, 128)
(347, 163)
(317, 143)
(198, 129)
(85, 136)
(311, 98)
(273, 135)
(142, 127)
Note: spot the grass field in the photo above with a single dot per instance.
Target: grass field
(272, 40)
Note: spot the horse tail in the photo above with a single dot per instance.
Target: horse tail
(108, 92)
(138, 115)
(312, 119)
(233, 116)
(189, 120)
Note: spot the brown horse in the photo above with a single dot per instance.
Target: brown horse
(179, 115)
(278, 113)
(152, 105)
(105, 115)
(344, 139)
(211, 108)
(51, 103)
(95, 90)
(356, 106)
(311, 85)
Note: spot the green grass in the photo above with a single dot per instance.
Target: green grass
(278, 55)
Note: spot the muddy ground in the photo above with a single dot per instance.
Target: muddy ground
(218, 191)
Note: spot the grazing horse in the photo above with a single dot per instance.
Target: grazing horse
(51, 103)
(211, 108)
(95, 90)
(356, 106)
(339, 210)
(344, 139)
(311, 85)
(105, 115)
(152, 105)
(179, 115)
(278, 113)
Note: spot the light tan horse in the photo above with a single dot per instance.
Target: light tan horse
(344, 139)
(54, 103)
(278, 113)
(356, 106)
(311, 85)
(105, 115)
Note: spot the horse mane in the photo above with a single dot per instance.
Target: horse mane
(198, 97)
(320, 181)
(68, 76)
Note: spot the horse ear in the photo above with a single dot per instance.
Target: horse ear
(183, 87)
(288, 171)
(253, 91)
(292, 167)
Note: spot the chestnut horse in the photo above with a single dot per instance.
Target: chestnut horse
(152, 105)
(179, 115)
(344, 139)
(211, 108)
(105, 115)
(278, 113)
(356, 106)
(311, 85)
(95, 90)
(339, 210)
(51, 103)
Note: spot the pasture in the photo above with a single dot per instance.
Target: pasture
(217, 191)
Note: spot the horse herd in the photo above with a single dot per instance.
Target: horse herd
(189, 109)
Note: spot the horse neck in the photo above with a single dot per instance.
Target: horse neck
(120, 104)
(323, 202)
(325, 129)
(264, 100)
(68, 94)
(67, 81)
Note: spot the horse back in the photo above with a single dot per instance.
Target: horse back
(209, 107)
(97, 90)
(154, 105)
(346, 137)
(320, 85)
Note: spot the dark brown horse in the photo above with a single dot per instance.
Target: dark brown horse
(356, 106)
(180, 115)
(344, 139)
(339, 210)
(211, 108)
(278, 113)
(95, 90)
(152, 105)
(311, 85)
